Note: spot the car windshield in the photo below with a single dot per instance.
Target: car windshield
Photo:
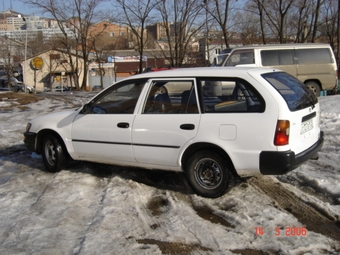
(296, 94)
(220, 59)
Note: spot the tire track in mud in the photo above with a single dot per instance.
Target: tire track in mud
(156, 206)
(312, 217)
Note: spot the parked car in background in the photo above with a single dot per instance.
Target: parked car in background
(15, 85)
(3, 85)
(222, 57)
(61, 89)
(96, 88)
(314, 64)
(267, 122)
(29, 89)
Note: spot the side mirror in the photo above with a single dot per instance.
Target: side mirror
(86, 109)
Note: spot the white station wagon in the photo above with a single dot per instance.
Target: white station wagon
(207, 122)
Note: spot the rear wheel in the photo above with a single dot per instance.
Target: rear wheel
(312, 85)
(53, 154)
(208, 173)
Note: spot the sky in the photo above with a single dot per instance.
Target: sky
(16, 6)
(98, 209)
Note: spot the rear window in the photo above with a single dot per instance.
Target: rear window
(296, 94)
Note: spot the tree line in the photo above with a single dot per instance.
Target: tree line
(248, 21)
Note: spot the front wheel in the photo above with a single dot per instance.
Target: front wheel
(208, 174)
(53, 154)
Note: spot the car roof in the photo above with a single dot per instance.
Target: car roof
(202, 72)
(283, 46)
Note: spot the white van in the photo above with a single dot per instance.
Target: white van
(313, 64)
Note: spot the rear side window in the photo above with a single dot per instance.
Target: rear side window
(314, 56)
(296, 94)
(277, 57)
(230, 96)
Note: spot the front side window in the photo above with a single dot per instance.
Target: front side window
(241, 57)
(119, 99)
(171, 97)
(296, 94)
(230, 96)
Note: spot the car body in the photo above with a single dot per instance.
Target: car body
(61, 89)
(165, 120)
(15, 85)
(97, 88)
(29, 89)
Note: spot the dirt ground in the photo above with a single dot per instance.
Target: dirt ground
(18, 99)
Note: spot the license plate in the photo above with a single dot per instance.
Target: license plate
(306, 126)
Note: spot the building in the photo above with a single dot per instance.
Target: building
(158, 30)
(22, 27)
(50, 69)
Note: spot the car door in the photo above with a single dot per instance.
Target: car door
(102, 130)
(168, 120)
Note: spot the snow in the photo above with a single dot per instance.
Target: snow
(99, 209)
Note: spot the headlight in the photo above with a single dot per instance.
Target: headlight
(28, 127)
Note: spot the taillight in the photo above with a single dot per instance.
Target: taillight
(282, 133)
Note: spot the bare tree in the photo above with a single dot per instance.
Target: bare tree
(253, 9)
(75, 16)
(300, 21)
(137, 15)
(276, 12)
(328, 23)
(305, 20)
(8, 53)
(180, 20)
(219, 10)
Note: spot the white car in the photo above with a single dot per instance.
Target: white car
(165, 120)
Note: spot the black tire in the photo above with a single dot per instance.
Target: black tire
(208, 174)
(313, 86)
(53, 154)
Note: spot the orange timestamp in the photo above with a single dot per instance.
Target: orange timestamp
(288, 231)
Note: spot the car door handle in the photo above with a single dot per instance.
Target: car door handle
(123, 125)
(187, 126)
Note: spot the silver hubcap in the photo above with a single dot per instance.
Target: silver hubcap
(50, 153)
(208, 173)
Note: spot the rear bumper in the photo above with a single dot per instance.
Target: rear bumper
(277, 163)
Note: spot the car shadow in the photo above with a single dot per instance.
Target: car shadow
(160, 179)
